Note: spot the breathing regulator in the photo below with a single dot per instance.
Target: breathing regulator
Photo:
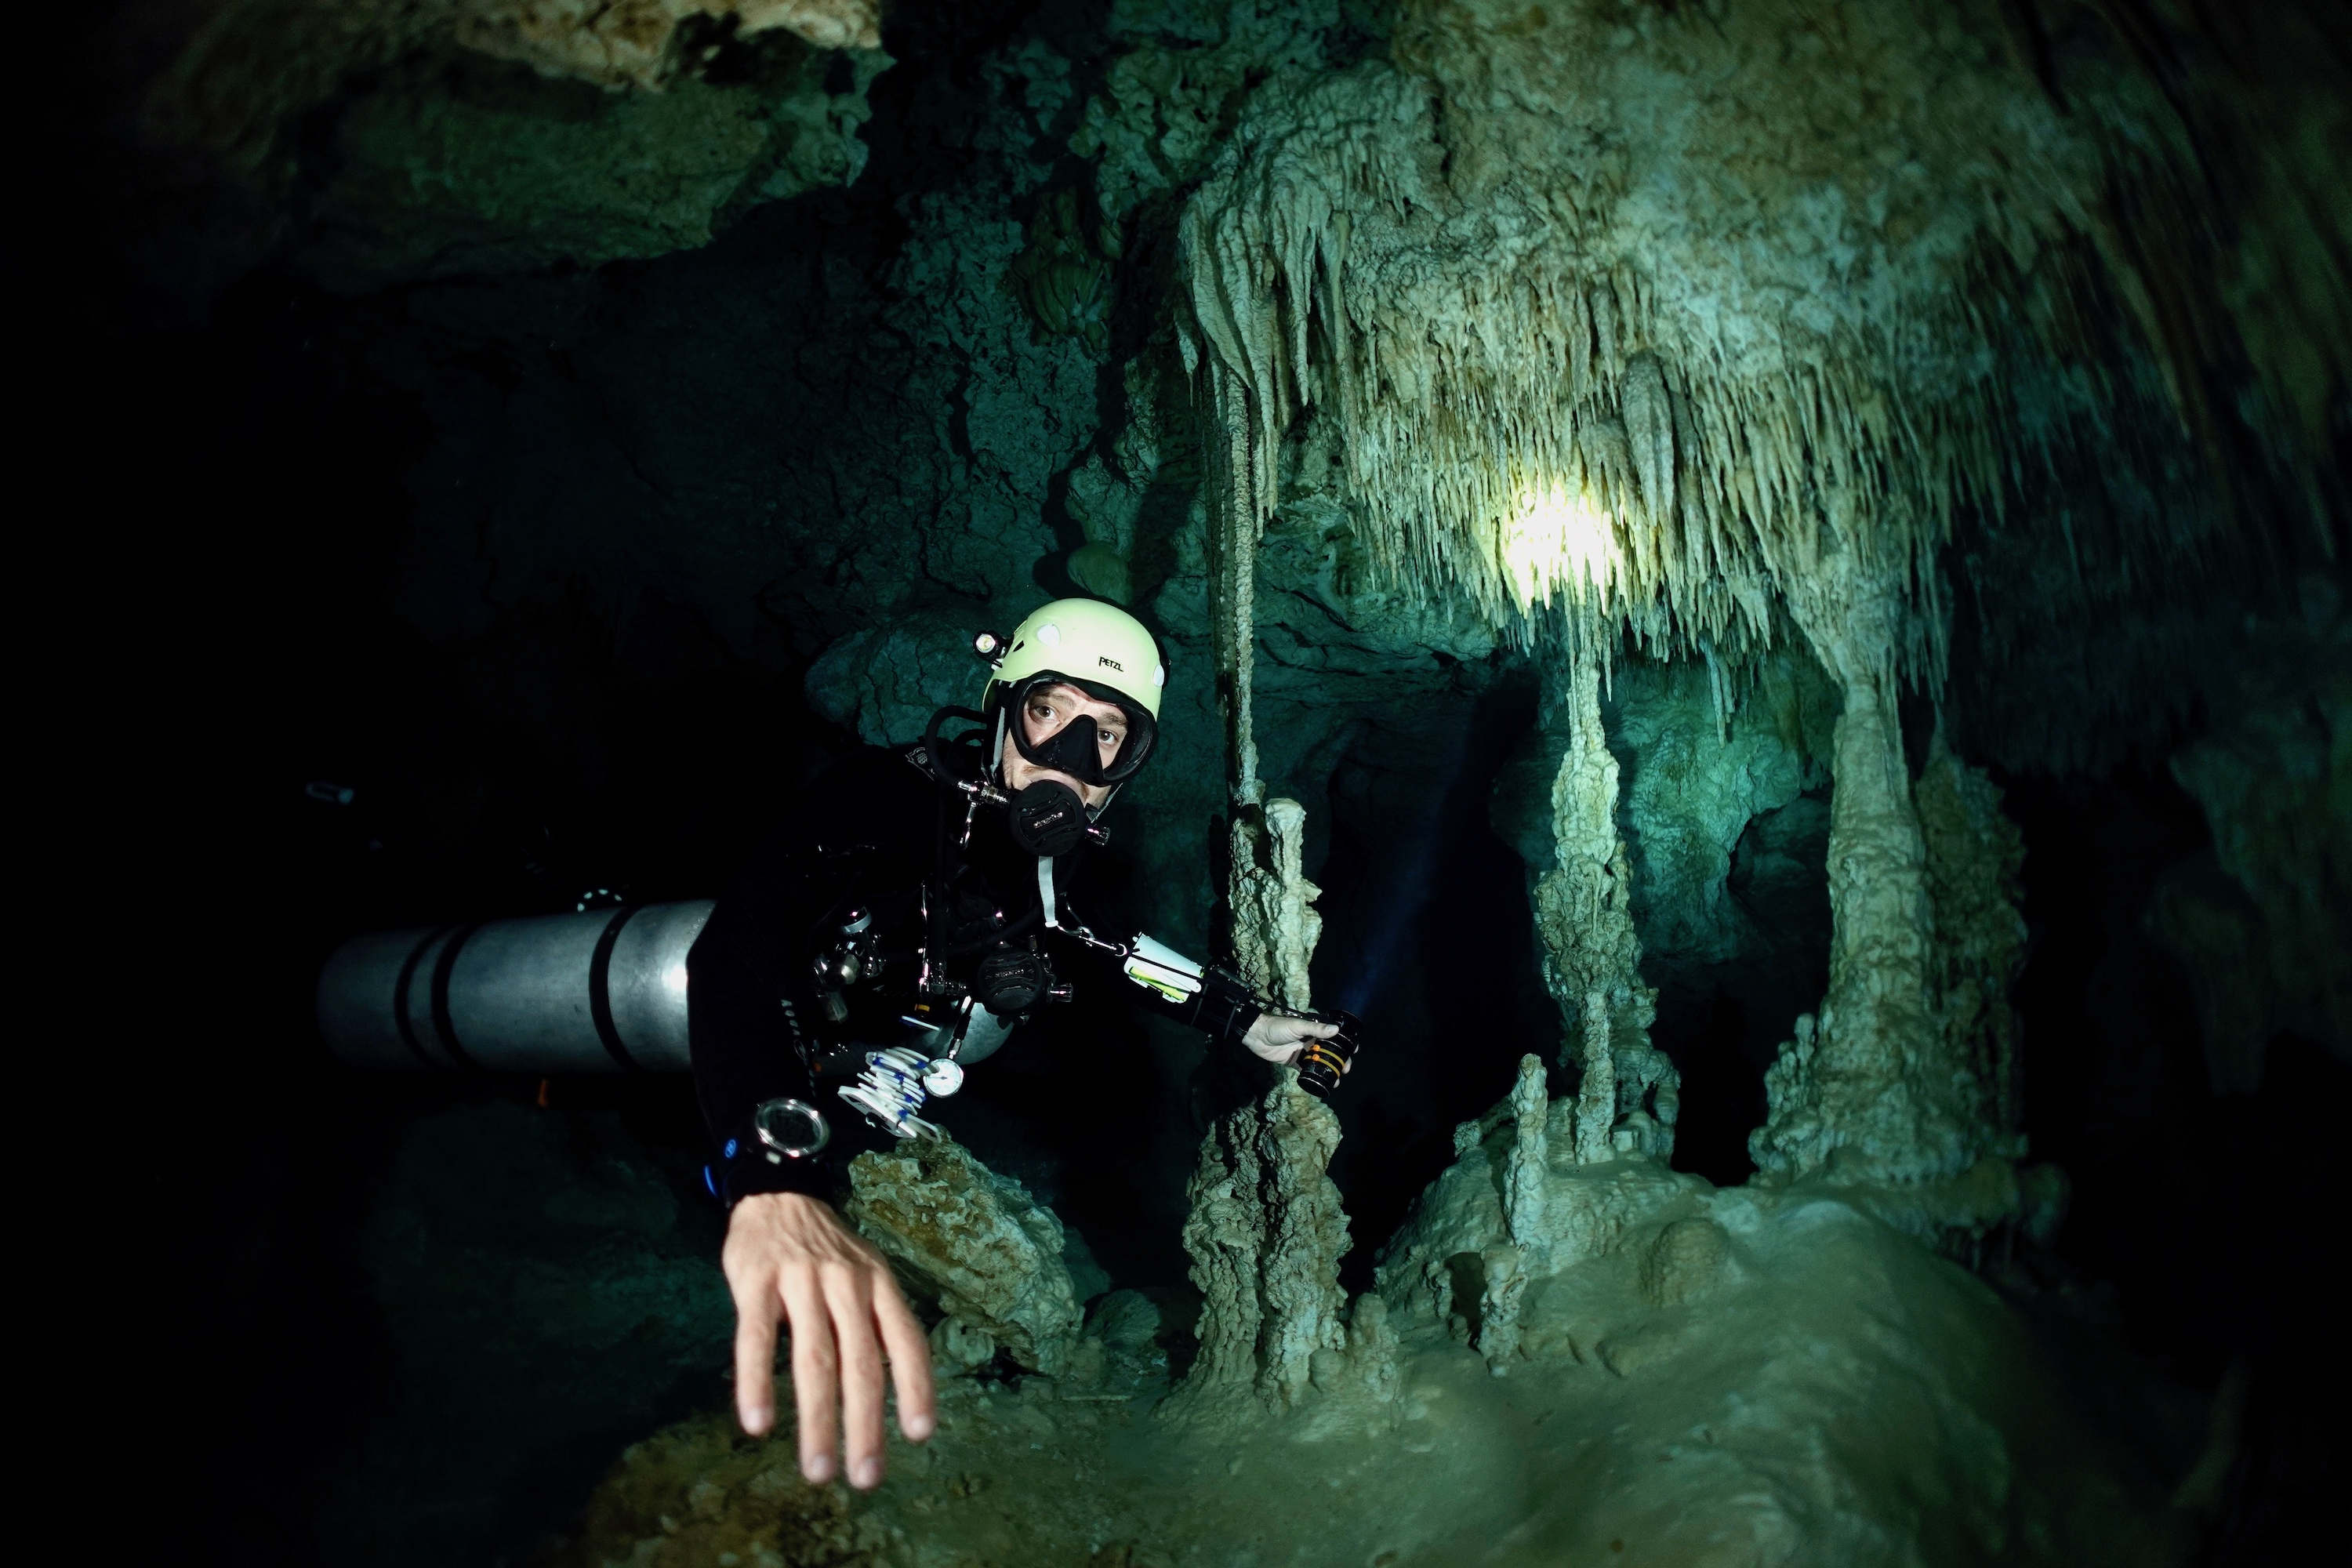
(1003, 975)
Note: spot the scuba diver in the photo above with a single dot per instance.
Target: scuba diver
(915, 908)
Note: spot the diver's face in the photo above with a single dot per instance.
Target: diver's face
(1046, 713)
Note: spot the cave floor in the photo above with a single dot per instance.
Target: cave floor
(1840, 1396)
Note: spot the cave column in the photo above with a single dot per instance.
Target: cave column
(1592, 956)
(1266, 1229)
(1867, 1091)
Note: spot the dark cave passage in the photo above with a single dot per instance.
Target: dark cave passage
(1724, 1023)
(1427, 937)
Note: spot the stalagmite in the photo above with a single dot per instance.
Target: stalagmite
(1275, 923)
(1523, 1181)
(1498, 1306)
(1975, 855)
(1583, 911)
(1224, 1232)
(1305, 1231)
(1266, 1228)
(1596, 1097)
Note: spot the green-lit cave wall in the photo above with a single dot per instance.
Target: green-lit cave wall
(570, 427)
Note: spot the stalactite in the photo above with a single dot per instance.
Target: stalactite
(1574, 379)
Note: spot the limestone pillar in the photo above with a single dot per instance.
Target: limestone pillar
(1868, 1092)
(1591, 957)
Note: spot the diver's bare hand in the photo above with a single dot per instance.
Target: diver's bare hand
(789, 1256)
(1278, 1039)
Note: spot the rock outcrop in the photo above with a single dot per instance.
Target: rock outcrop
(974, 1244)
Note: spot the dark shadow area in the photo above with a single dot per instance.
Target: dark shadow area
(2205, 1227)
(1724, 1023)
(242, 512)
(1429, 938)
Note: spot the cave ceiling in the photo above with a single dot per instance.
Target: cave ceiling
(1995, 351)
(1594, 313)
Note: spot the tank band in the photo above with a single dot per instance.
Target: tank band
(399, 1015)
(442, 1025)
(599, 990)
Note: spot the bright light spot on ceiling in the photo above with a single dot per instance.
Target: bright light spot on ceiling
(1556, 538)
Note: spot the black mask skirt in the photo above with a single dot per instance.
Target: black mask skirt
(1072, 749)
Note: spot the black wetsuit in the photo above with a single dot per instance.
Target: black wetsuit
(876, 833)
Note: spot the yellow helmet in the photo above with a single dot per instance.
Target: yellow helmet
(1096, 647)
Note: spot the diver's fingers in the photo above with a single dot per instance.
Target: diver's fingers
(910, 1360)
(849, 1297)
(757, 1306)
(815, 1366)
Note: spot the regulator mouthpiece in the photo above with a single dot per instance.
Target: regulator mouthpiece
(1047, 819)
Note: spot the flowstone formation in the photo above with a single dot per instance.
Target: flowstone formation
(1727, 1378)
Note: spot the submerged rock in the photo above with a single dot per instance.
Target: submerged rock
(972, 1244)
(1761, 1378)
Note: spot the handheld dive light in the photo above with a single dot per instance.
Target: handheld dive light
(1322, 1062)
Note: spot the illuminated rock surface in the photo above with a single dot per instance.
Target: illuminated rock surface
(975, 1247)
(1742, 1378)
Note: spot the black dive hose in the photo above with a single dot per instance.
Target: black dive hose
(931, 740)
